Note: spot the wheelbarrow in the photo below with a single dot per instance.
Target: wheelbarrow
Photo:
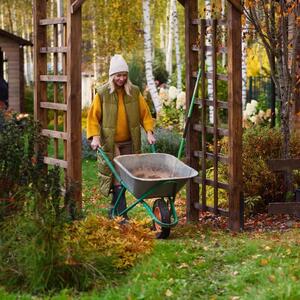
(151, 175)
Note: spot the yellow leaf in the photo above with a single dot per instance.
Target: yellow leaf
(168, 293)
(272, 278)
(263, 262)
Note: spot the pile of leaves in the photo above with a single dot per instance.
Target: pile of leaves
(97, 237)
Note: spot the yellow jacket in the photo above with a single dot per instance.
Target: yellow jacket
(122, 129)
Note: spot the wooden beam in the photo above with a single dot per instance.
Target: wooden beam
(74, 172)
(53, 21)
(235, 118)
(55, 106)
(53, 50)
(284, 164)
(55, 134)
(76, 5)
(192, 139)
(56, 162)
(277, 208)
(237, 5)
(40, 61)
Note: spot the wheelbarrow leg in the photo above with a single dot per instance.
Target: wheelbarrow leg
(122, 203)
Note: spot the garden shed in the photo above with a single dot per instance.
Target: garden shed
(11, 53)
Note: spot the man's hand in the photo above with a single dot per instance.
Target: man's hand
(150, 138)
(95, 144)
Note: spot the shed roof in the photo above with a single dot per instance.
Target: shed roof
(15, 38)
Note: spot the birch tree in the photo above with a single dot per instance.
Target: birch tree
(270, 20)
(169, 53)
(148, 56)
(177, 48)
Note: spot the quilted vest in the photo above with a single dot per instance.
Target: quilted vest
(109, 109)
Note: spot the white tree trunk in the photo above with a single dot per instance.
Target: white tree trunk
(162, 37)
(177, 48)
(60, 13)
(148, 56)
(30, 56)
(170, 39)
(244, 65)
(94, 44)
(209, 62)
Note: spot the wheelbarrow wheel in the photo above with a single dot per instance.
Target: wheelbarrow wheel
(162, 213)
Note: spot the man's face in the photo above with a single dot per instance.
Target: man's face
(120, 79)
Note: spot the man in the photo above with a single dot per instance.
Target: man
(114, 123)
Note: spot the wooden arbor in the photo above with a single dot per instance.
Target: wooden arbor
(197, 150)
(65, 105)
(12, 46)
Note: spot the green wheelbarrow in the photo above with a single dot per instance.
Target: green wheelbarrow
(151, 175)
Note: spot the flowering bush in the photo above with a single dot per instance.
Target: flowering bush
(252, 115)
(181, 100)
(260, 144)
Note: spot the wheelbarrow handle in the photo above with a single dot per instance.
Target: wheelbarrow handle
(109, 163)
(153, 148)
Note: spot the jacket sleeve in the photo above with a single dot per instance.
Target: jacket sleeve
(94, 118)
(145, 115)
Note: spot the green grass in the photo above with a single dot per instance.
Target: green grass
(214, 265)
(198, 263)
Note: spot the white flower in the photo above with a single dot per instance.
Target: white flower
(163, 95)
(173, 92)
(261, 114)
(253, 119)
(180, 102)
(251, 108)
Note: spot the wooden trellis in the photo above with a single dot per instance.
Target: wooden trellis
(64, 108)
(197, 152)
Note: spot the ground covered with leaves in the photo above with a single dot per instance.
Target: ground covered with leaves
(198, 261)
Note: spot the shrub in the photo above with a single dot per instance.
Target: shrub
(43, 253)
(136, 72)
(167, 141)
(19, 134)
(260, 184)
(87, 152)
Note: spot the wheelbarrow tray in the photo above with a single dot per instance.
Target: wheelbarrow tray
(161, 174)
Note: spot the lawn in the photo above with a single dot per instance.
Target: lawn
(200, 261)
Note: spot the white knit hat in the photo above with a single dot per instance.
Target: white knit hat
(117, 64)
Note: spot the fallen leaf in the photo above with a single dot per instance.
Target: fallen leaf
(263, 262)
(183, 265)
(272, 278)
(168, 293)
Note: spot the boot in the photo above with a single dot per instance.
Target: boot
(122, 203)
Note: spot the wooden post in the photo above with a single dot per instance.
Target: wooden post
(40, 61)
(74, 173)
(192, 140)
(235, 117)
(21, 79)
(1, 64)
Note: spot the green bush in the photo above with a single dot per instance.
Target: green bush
(159, 67)
(19, 134)
(261, 185)
(167, 141)
(136, 73)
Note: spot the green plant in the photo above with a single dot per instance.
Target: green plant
(261, 144)
(159, 68)
(19, 135)
(171, 117)
(167, 141)
(136, 72)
